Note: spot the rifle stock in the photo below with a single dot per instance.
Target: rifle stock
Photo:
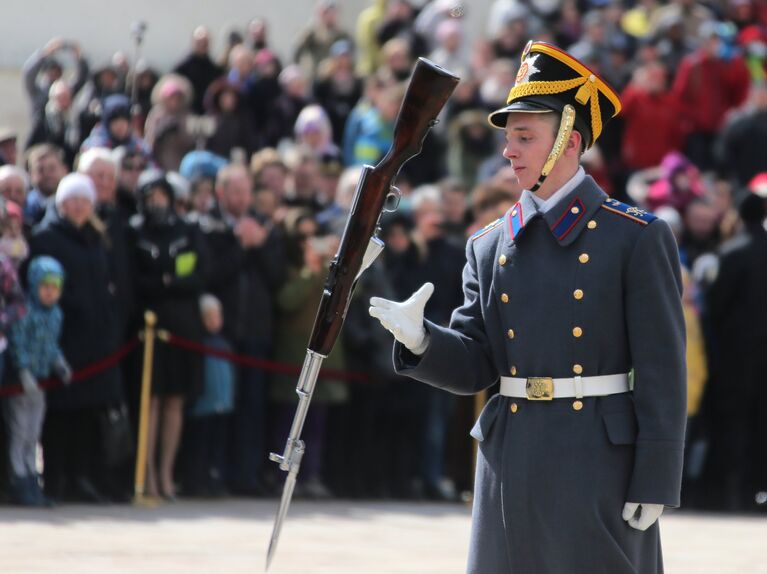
(429, 88)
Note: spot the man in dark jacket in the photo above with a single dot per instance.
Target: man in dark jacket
(563, 297)
(247, 268)
(199, 68)
(738, 321)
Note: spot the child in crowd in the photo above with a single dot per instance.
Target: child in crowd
(209, 415)
(12, 241)
(34, 355)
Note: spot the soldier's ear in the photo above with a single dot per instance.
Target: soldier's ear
(574, 143)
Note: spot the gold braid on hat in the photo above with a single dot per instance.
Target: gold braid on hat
(588, 91)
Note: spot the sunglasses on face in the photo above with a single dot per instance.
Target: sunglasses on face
(133, 166)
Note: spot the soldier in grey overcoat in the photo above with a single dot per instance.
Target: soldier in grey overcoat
(573, 301)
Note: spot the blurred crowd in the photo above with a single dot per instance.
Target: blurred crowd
(215, 195)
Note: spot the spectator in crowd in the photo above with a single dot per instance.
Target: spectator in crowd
(738, 325)
(166, 131)
(470, 143)
(247, 269)
(104, 82)
(100, 165)
(679, 184)
(73, 440)
(338, 88)
(314, 133)
(170, 265)
(115, 128)
(651, 118)
(258, 34)
(13, 243)
(199, 68)
(42, 69)
(12, 303)
(719, 67)
(58, 123)
(146, 79)
(297, 301)
(376, 130)
(398, 37)
(14, 183)
(207, 429)
(8, 148)
(34, 355)
(233, 121)
(448, 52)
(315, 42)
(740, 143)
(130, 165)
(286, 107)
(263, 94)
(46, 167)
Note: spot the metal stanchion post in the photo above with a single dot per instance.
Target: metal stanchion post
(150, 321)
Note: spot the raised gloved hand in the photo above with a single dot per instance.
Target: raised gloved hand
(405, 320)
(62, 370)
(641, 516)
(29, 382)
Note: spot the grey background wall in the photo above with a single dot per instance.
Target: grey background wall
(103, 27)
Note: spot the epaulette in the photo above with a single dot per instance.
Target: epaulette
(628, 211)
(486, 229)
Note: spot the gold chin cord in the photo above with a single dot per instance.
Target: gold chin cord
(565, 129)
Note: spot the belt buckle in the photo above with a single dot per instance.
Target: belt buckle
(540, 388)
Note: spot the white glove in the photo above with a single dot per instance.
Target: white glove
(405, 320)
(29, 382)
(646, 517)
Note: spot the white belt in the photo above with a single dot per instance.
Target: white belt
(546, 388)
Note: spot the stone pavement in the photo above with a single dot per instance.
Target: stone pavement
(337, 537)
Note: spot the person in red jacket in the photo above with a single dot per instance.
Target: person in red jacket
(650, 118)
(709, 83)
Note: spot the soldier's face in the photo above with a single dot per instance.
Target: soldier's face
(529, 139)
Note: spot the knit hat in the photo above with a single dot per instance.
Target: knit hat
(75, 185)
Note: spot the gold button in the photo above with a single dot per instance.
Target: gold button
(577, 369)
(511, 333)
(513, 370)
(577, 405)
(575, 211)
(514, 213)
(505, 298)
(578, 294)
(577, 332)
(592, 224)
(583, 258)
(514, 408)
(502, 260)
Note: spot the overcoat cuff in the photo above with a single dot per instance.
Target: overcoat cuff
(657, 476)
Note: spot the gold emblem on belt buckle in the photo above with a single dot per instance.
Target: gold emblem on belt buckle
(540, 388)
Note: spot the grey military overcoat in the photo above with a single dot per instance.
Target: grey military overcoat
(591, 287)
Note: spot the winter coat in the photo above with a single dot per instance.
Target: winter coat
(34, 340)
(219, 380)
(89, 331)
(245, 280)
(170, 269)
(297, 304)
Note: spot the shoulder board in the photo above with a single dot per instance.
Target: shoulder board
(486, 229)
(628, 211)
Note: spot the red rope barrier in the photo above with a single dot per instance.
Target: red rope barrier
(80, 374)
(257, 363)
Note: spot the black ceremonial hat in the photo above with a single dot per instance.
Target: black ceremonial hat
(548, 80)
